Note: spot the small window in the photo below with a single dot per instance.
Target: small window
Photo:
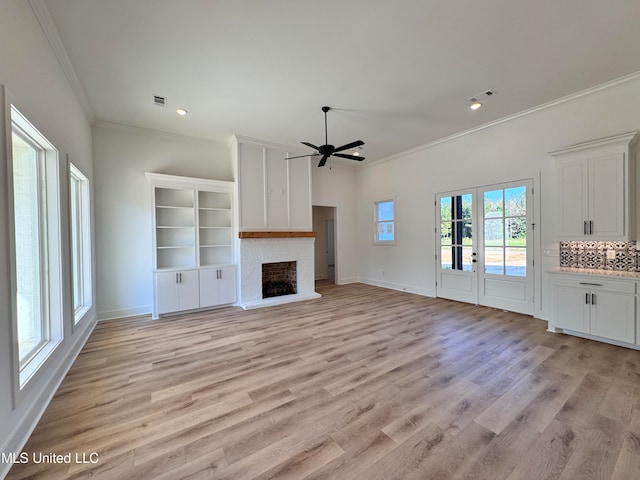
(37, 314)
(80, 219)
(385, 224)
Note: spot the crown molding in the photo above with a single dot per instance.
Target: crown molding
(43, 15)
(266, 144)
(566, 99)
(120, 127)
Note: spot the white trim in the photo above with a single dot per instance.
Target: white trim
(84, 236)
(124, 312)
(48, 26)
(376, 241)
(52, 297)
(121, 127)
(164, 180)
(426, 292)
(20, 435)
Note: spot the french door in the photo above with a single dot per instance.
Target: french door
(485, 246)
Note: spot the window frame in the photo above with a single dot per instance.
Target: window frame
(377, 222)
(50, 241)
(80, 244)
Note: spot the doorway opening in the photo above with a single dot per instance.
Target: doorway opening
(325, 244)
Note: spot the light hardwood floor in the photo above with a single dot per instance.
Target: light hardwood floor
(364, 383)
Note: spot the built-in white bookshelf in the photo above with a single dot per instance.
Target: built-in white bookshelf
(193, 222)
(175, 223)
(215, 235)
(193, 243)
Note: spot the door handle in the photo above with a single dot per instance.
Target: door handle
(593, 299)
(590, 227)
(586, 298)
(584, 227)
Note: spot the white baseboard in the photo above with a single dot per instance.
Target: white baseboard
(398, 286)
(125, 312)
(18, 438)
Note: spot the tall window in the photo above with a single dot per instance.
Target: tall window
(36, 220)
(385, 219)
(80, 241)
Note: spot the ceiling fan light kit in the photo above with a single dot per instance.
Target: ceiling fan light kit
(327, 150)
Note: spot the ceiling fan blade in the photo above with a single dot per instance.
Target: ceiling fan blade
(357, 143)
(323, 160)
(350, 157)
(310, 145)
(302, 156)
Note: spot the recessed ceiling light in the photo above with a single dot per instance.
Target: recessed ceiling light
(475, 105)
(181, 111)
(356, 153)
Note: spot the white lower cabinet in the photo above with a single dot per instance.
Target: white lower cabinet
(596, 306)
(217, 286)
(175, 291)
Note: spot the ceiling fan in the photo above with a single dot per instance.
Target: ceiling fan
(327, 150)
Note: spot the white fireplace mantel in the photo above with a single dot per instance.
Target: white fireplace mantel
(256, 251)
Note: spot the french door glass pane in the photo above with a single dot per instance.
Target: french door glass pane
(516, 262)
(467, 202)
(456, 232)
(445, 233)
(493, 204)
(505, 231)
(493, 232)
(494, 260)
(467, 265)
(516, 235)
(27, 241)
(446, 261)
(515, 201)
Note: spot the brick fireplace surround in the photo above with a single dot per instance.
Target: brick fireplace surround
(255, 251)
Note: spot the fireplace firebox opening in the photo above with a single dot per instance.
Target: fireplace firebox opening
(279, 278)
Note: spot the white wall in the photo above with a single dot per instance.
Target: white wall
(31, 73)
(514, 149)
(336, 187)
(123, 206)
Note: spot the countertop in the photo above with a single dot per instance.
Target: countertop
(597, 273)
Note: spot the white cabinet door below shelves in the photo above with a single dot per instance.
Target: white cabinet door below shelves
(227, 285)
(572, 312)
(217, 286)
(177, 291)
(613, 316)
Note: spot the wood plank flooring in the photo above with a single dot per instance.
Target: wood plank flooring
(363, 383)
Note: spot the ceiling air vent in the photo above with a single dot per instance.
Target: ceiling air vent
(160, 101)
(482, 96)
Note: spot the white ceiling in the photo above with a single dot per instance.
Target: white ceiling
(398, 74)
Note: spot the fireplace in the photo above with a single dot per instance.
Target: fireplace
(278, 279)
(258, 251)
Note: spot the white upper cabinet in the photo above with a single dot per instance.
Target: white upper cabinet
(273, 193)
(597, 190)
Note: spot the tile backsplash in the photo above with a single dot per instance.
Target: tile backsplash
(593, 255)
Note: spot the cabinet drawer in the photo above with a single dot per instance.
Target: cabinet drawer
(595, 283)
